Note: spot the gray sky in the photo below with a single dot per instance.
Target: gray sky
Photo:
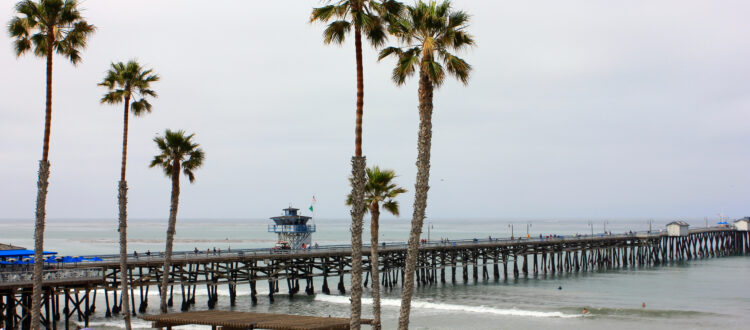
(574, 109)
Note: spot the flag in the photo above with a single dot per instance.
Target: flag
(311, 208)
(314, 200)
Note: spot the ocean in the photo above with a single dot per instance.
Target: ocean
(699, 294)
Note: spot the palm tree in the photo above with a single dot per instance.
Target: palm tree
(368, 16)
(123, 82)
(428, 32)
(379, 189)
(49, 26)
(177, 152)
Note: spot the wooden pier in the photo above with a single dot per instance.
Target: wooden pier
(226, 320)
(438, 263)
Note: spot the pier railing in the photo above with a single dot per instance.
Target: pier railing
(52, 275)
(397, 245)
(291, 228)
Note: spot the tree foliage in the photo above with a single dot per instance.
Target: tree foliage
(56, 20)
(429, 34)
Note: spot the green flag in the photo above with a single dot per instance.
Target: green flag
(311, 208)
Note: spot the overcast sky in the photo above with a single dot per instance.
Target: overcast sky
(574, 109)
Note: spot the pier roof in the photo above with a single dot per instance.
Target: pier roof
(20, 253)
(10, 247)
(248, 320)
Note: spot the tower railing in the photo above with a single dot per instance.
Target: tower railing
(291, 228)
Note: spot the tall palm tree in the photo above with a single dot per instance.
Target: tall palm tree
(178, 153)
(428, 32)
(49, 26)
(379, 189)
(123, 82)
(368, 16)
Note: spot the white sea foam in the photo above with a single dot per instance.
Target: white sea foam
(449, 307)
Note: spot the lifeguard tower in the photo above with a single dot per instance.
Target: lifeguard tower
(292, 228)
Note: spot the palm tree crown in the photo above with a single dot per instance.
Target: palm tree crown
(50, 21)
(368, 15)
(178, 148)
(126, 81)
(381, 189)
(428, 33)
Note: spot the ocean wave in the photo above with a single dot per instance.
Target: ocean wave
(638, 312)
(450, 307)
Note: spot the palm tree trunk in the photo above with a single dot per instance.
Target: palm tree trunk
(420, 194)
(41, 201)
(125, 139)
(360, 89)
(358, 210)
(170, 233)
(41, 196)
(122, 198)
(374, 263)
(358, 173)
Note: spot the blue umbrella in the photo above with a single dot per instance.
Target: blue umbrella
(95, 259)
(19, 262)
(2, 262)
(51, 260)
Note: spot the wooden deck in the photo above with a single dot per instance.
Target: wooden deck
(246, 320)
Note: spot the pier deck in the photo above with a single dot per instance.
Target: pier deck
(246, 320)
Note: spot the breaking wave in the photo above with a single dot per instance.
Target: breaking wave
(451, 307)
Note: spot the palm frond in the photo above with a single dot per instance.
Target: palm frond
(336, 32)
(457, 19)
(175, 147)
(39, 40)
(434, 70)
(377, 35)
(405, 67)
(113, 97)
(140, 107)
(456, 66)
(326, 13)
(391, 206)
(388, 51)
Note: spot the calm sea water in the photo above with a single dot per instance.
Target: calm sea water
(710, 293)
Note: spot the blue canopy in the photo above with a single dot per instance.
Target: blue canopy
(723, 223)
(5, 262)
(94, 259)
(20, 253)
(71, 259)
